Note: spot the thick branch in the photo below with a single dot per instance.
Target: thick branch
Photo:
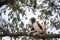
(26, 34)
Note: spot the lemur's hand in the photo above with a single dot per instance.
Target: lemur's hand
(31, 32)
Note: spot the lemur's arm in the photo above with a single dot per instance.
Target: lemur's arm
(32, 31)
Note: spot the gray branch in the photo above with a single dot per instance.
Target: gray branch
(36, 36)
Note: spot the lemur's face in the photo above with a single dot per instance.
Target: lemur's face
(32, 20)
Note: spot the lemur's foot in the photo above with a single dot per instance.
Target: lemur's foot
(36, 34)
(30, 33)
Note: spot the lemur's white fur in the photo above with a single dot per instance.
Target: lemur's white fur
(37, 29)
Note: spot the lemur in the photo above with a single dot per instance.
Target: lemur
(36, 27)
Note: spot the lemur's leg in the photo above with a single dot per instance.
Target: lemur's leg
(31, 32)
(36, 33)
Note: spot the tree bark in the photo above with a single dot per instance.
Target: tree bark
(36, 36)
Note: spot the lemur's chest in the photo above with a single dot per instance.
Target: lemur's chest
(36, 27)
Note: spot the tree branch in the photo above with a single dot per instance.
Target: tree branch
(36, 36)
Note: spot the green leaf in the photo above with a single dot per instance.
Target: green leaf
(9, 14)
(57, 26)
(15, 7)
(46, 12)
(14, 19)
(32, 2)
(40, 16)
(18, 17)
(22, 11)
(35, 4)
(11, 2)
(0, 14)
(24, 1)
(24, 29)
(8, 19)
(4, 12)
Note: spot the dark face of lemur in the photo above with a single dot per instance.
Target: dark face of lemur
(32, 20)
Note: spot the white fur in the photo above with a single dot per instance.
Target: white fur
(37, 28)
